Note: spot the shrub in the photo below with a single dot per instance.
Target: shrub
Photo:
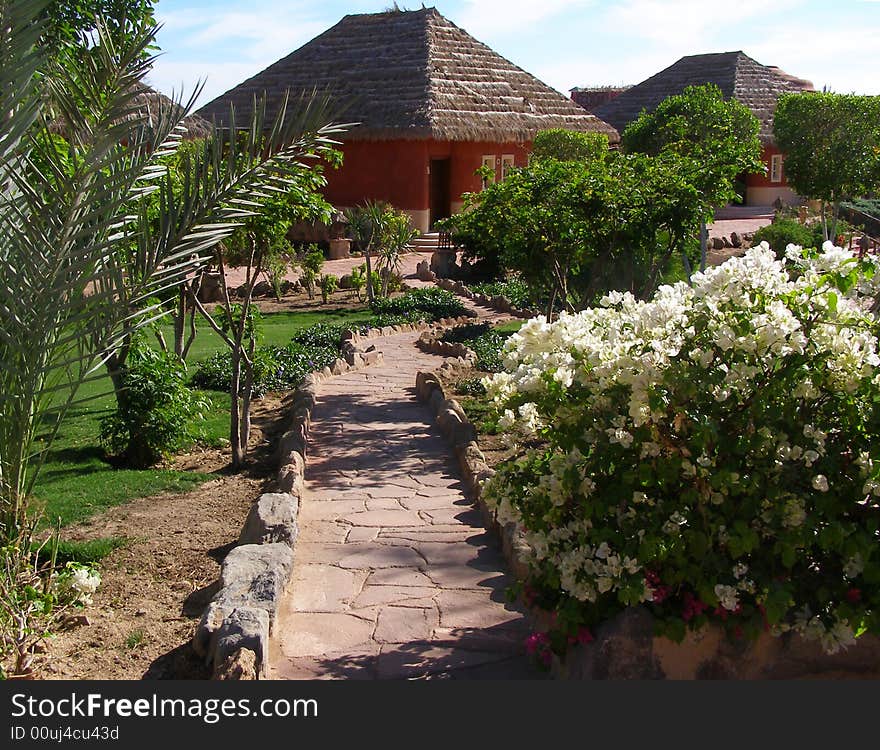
(863, 213)
(516, 290)
(486, 342)
(276, 368)
(784, 232)
(311, 259)
(471, 387)
(465, 333)
(358, 280)
(326, 335)
(156, 412)
(329, 284)
(569, 145)
(713, 454)
(436, 303)
(380, 320)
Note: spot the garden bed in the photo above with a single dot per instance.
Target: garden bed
(156, 584)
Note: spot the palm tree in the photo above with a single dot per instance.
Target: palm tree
(81, 263)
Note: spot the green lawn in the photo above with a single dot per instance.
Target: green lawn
(76, 482)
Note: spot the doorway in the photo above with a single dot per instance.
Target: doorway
(440, 193)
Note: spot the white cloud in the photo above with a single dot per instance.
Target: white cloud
(491, 18)
(843, 59)
(259, 33)
(671, 23)
(218, 77)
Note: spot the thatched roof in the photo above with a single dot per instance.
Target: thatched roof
(737, 75)
(412, 74)
(153, 102)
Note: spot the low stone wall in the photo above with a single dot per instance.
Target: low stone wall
(431, 343)
(233, 633)
(457, 428)
(499, 303)
(625, 648)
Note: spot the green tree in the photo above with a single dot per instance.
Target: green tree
(260, 241)
(71, 24)
(369, 225)
(831, 144)
(80, 260)
(569, 145)
(719, 137)
(576, 229)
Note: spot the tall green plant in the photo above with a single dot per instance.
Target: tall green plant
(715, 139)
(832, 147)
(80, 262)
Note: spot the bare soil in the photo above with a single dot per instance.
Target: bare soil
(155, 588)
(495, 448)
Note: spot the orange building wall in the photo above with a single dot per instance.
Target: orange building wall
(394, 171)
(761, 191)
(398, 171)
(763, 180)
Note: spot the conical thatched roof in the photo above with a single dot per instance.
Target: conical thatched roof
(151, 102)
(154, 102)
(413, 74)
(737, 75)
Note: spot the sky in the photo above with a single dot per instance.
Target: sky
(565, 43)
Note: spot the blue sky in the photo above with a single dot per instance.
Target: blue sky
(565, 43)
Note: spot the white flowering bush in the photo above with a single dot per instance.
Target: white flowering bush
(712, 454)
(76, 584)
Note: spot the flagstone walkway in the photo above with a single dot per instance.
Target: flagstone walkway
(394, 574)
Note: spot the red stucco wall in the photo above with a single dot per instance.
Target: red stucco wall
(763, 180)
(397, 171)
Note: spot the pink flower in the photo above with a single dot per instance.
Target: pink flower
(536, 642)
(584, 635)
(692, 607)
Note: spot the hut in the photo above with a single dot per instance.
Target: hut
(739, 77)
(433, 105)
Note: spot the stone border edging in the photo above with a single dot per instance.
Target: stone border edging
(233, 633)
(457, 428)
(499, 303)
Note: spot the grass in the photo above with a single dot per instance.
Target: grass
(135, 638)
(76, 482)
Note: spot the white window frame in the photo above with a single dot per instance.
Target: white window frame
(776, 168)
(508, 162)
(488, 160)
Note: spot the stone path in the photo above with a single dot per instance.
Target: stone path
(394, 574)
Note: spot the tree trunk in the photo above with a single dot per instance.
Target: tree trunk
(369, 274)
(180, 322)
(235, 412)
(704, 244)
(245, 415)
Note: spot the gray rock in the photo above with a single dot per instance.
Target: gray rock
(263, 289)
(272, 518)
(717, 243)
(726, 242)
(736, 240)
(254, 576)
(290, 475)
(245, 628)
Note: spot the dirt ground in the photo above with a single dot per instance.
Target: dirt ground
(154, 589)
